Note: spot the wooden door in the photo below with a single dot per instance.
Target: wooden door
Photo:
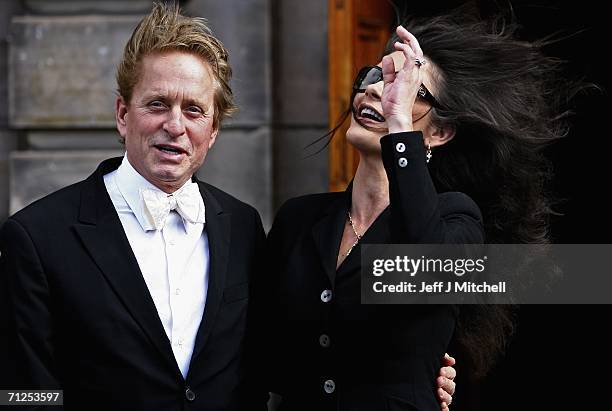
(358, 31)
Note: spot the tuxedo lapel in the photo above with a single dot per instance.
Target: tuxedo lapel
(102, 234)
(218, 227)
(327, 235)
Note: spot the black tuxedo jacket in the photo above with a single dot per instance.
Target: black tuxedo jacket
(78, 314)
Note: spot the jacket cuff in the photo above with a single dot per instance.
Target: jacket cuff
(403, 150)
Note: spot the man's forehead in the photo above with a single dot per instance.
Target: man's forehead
(170, 56)
(173, 74)
(169, 92)
(175, 63)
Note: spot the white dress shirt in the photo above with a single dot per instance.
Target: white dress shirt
(174, 261)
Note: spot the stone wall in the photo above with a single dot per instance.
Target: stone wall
(56, 109)
(300, 97)
(8, 137)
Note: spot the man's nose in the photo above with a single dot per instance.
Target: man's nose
(174, 123)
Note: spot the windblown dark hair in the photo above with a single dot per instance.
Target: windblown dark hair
(503, 96)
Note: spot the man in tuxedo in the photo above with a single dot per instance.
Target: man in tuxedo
(133, 289)
(129, 289)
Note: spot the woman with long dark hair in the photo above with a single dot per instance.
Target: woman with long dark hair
(449, 127)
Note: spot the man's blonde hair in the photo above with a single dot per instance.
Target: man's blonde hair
(166, 29)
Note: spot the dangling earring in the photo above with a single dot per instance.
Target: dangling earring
(428, 152)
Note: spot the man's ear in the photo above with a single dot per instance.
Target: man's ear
(441, 135)
(213, 136)
(121, 111)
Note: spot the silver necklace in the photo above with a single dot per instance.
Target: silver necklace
(354, 231)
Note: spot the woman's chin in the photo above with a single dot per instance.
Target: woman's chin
(364, 140)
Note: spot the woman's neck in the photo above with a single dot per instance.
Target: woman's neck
(370, 191)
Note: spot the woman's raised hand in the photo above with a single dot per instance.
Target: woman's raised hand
(401, 86)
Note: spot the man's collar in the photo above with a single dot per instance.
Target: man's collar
(130, 182)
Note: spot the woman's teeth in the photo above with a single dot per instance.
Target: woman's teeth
(371, 114)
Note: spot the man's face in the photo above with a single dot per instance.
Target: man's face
(168, 124)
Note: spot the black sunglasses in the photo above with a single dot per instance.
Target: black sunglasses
(373, 74)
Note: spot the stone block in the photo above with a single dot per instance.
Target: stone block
(240, 163)
(8, 143)
(7, 9)
(3, 87)
(88, 6)
(301, 63)
(244, 28)
(34, 174)
(62, 70)
(73, 140)
(297, 169)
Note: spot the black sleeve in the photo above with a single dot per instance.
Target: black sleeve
(258, 391)
(278, 241)
(27, 335)
(417, 214)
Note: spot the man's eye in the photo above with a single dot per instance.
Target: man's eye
(194, 110)
(156, 104)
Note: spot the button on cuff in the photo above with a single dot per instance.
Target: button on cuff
(324, 340)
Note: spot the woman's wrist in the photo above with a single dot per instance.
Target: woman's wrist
(400, 125)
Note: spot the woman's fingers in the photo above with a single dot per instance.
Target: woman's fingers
(408, 70)
(411, 49)
(446, 385)
(408, 38)
(401, 83)
(449, 361)
(407, 50)
(445, 397)
(449, 372)
(388, 69)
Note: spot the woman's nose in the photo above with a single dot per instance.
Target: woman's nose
(374, 90)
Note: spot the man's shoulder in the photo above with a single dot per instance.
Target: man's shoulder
(227, 201)
(64, 202)
(48, 208)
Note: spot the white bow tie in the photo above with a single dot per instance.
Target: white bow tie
(156, 205)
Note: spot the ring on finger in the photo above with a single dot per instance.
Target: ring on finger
(419, 62)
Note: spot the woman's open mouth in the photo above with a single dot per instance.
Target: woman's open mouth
(368, 112)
